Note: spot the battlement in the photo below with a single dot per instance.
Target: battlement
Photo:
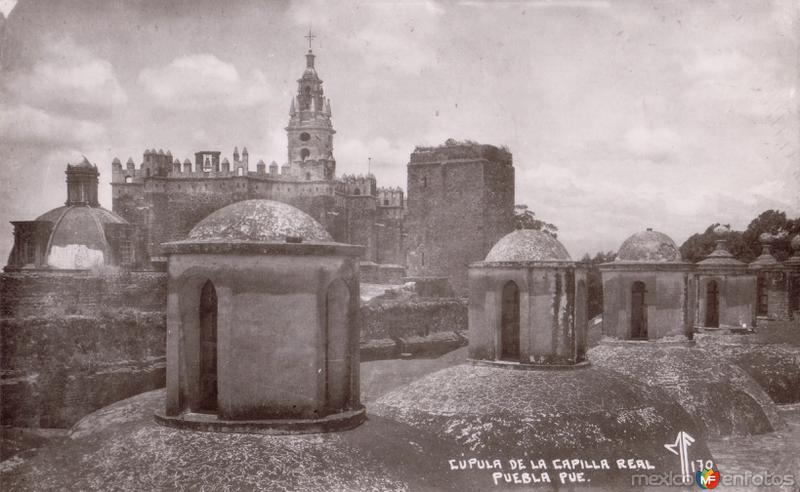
(391, 197)
(207, 164)
(453, 150)
(351, 184)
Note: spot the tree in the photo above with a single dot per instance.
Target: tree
(594, 281)
(526, 219)
(746, 245)
(698, 246)
(775, 223)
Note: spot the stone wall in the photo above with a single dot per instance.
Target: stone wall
(60, 292)
(420, 317)
(73, 342)
(374, 273)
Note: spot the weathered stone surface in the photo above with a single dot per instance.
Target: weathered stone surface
(588, 413)
(389, 318)
(776, 367)
(650, 246)
(460, 202)
(433, 344)
(774, 456)
(56, 369)
(719, 395)
(381, 273)
(259, 220)
(383, 348)
(122, 448)
(53, 293)
(528, 245)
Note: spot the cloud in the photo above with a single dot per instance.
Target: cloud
(22, 124)
(68, 78)
(655, 144)
(393, 37)
(6, 6)
(717, 64)
(202, 81)
(389, 158)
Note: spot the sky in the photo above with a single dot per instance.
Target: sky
(621, 115)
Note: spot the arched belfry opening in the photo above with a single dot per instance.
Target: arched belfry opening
(509, 323)
(712, 304)
(638, 311)
(207, 400)
(337, 353)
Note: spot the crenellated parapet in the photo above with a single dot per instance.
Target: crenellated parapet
(206, 164)
(453, 150)
(391, 197)
(352, 184)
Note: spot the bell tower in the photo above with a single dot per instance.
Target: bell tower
(310, 132)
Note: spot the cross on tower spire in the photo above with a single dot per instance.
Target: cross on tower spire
(309, 37)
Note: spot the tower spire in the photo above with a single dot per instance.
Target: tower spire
(309, 37)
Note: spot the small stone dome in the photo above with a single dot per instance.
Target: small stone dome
(78, 238)
(528, 245)
(649, 246)
(259, 220)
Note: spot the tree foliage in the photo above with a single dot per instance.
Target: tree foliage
(746, 245)
(594, 281)
(526, 219)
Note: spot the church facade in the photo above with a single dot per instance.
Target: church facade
(165, 197)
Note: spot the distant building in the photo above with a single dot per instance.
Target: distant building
(460, 203)
(164, 197)
(81, 235)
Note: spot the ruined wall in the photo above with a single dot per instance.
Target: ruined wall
(387, 319)
(374, 273)
(73, 342)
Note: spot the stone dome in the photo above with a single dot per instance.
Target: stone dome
(649, 246)
(261, 221)
(78, 237)
(528, 245)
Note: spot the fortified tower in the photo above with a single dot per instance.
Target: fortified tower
(310, 132)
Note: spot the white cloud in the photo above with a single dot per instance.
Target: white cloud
(68, 78)
(717, 64)
(6, 6)
(656, 144)
(203, 81)
(24, 124)
(389, 159)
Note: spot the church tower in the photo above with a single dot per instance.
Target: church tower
(310, 132)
